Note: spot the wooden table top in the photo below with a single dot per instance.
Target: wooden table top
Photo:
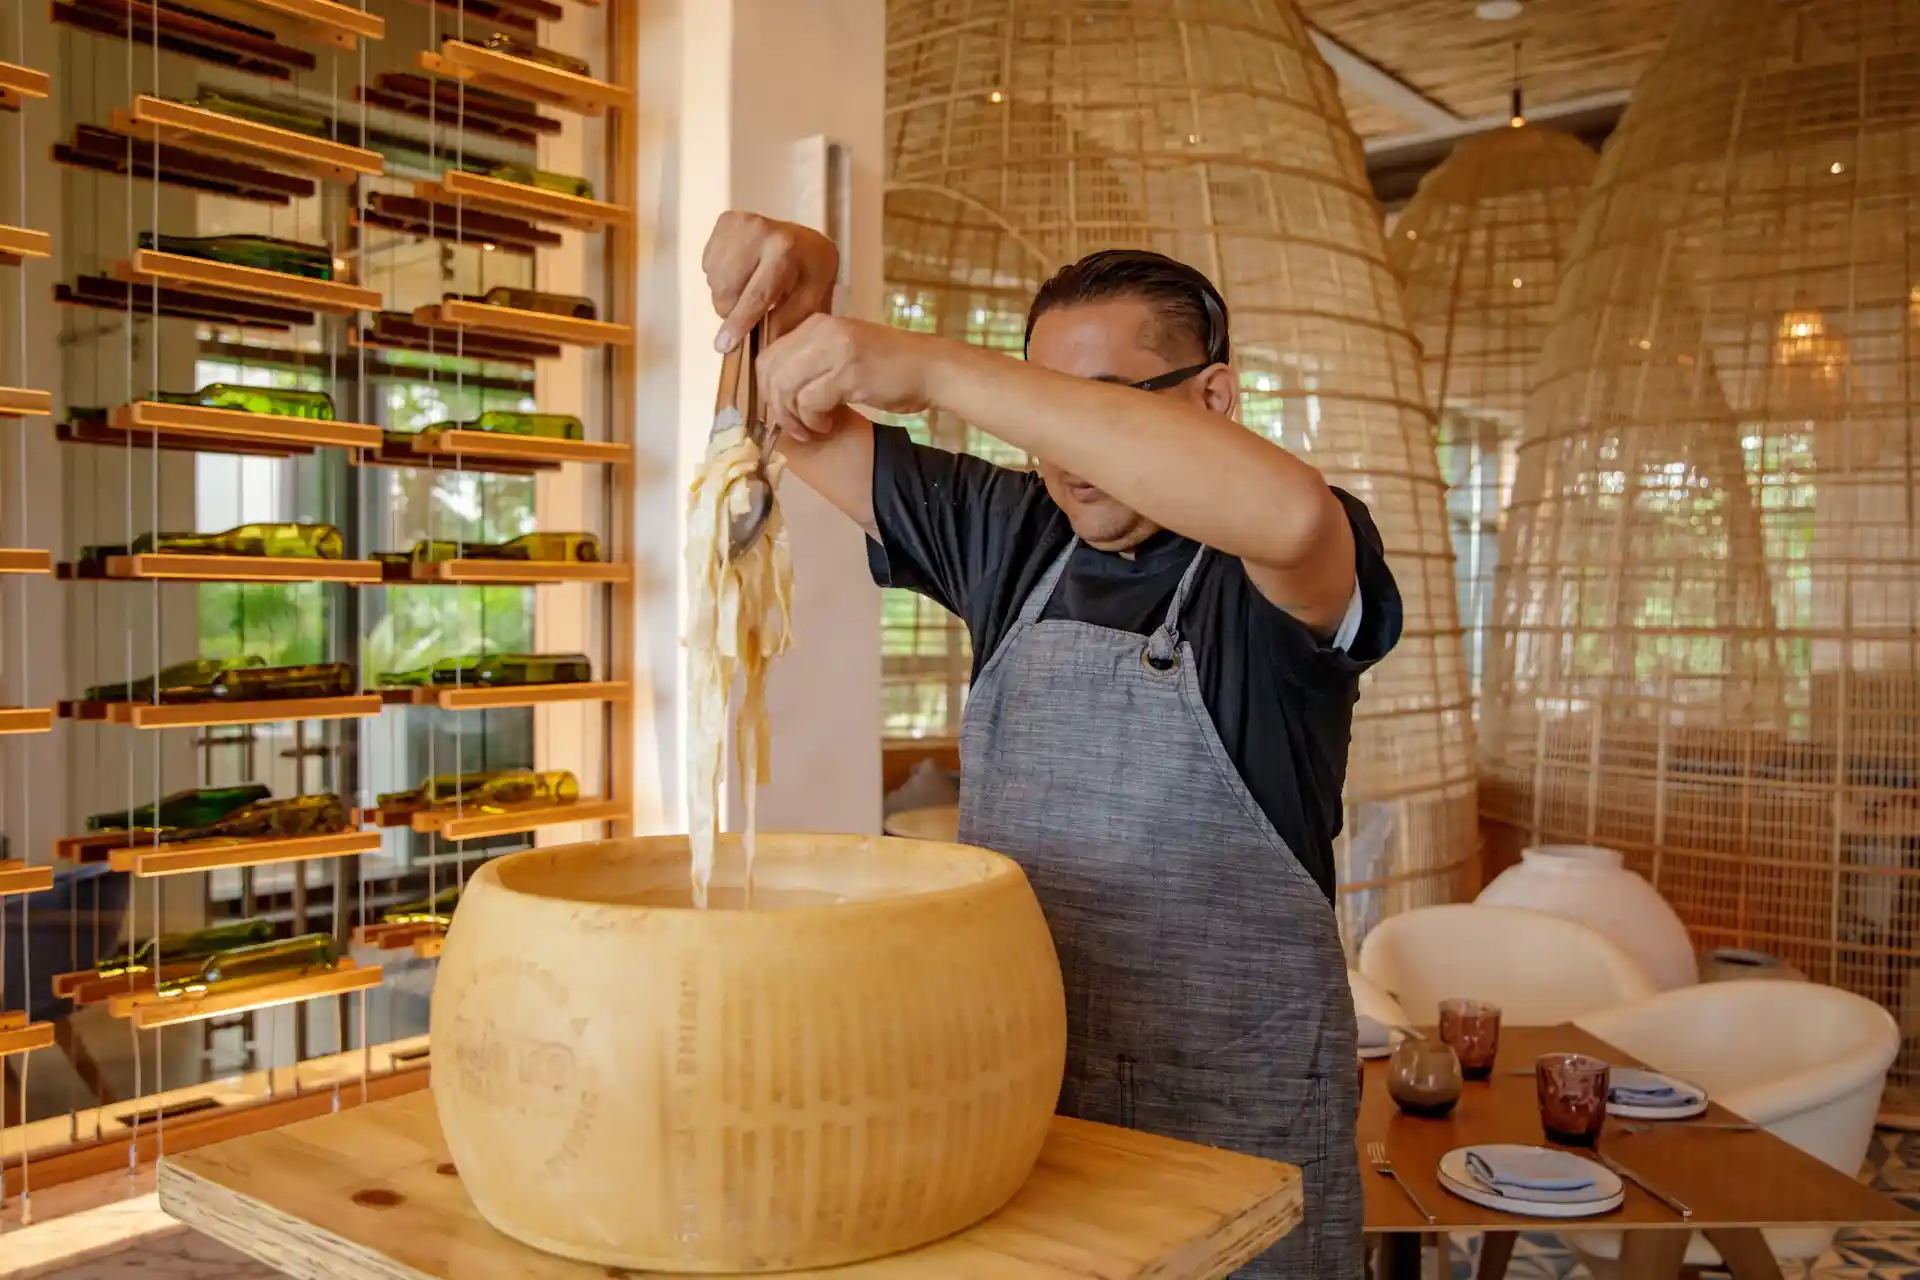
(1728, 1179)
(367, 1194)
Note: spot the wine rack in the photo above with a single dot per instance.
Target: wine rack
(267, 247)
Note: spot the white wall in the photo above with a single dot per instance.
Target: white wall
(739, 84)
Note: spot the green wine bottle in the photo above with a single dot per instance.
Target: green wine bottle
(436, 910)
(490, 791)
(494, 670)
(180, 682)
(180, 947)
(314, 405)
(528, 176)
(315, 815)
(537, 548)
(552, 304)
(274, 541)
(262, 684)
(194, 808)
(501, 42)
(259, 111)
(257, 965)
(289, 257)
(547, 426)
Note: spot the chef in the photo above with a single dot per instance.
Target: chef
(1169, 621)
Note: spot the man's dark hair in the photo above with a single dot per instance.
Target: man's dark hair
(1184, 300)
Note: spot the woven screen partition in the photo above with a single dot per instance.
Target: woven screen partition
(1478, 251)
(1708, 610)
(1025, 134)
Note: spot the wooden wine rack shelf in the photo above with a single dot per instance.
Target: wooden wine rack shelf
(326, 21)
(429, 946)
(158, 120)
(17, 84)
(18, 243)
(402, 453)
(23, 560)
(24, 402)
(391, 937)
(87, 986)
(149, 266)
(504, 447)
(17, 877)
(205, 855)
(172, 568)
(513, 322)
(537, 204)
(520, 77)
(477, 698)
(148, 1010)
(505, 573)
(478, 826)
(193, 715)
(25, 719)
(22, 1036)
(268, 430)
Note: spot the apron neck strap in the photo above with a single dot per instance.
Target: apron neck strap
(1043, 590)
(1163, 646)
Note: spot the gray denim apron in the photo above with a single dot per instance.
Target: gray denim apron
(1206, 989)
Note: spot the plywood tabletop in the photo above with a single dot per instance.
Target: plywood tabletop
(1728, 1179)
(369, 1194)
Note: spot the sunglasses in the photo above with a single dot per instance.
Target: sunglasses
(1171, 378)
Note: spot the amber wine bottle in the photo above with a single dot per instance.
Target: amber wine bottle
(194, 808)
(264, 962)
(491, 791)
(501, 42)
(274, 541)
(537, 548)
(196, 945)
(315, 815)
(261, 684)
(259, 111)
(289, 257)
(316, 405)
(496, 670)
(527, 176)
(547, 426)
(553, 304)
(179, 682)
(437, 909)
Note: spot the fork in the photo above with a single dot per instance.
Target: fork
(1377, 1156)
(738, 404)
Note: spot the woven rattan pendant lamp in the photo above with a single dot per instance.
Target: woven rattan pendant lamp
(1478, 251)
(1024, 133)
(1708, 611)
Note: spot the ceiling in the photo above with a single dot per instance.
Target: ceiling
(1414, 68)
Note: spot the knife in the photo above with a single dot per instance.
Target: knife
(1678, 1206)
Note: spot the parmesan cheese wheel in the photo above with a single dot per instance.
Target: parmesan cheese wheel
(865, 1059)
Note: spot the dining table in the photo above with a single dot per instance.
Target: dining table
(1734, 1182)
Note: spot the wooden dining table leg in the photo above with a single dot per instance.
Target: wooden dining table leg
(1654, 1255)
(1496, 1250)
(1400, 1255)
(1745, 1251)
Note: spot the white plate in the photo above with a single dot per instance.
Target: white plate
(1628, 1111)
(1609, 1191)
(1378, 1051)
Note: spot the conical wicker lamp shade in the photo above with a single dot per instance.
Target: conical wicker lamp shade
(1708, 613)
(1478, 251)
(1023, 135)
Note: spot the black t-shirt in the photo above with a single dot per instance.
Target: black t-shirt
(976, 539)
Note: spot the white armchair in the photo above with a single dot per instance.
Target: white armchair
(1804, 1061)
(1538, 968)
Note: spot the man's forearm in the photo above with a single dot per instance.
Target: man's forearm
(1189, 470)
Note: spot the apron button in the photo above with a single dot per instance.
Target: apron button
(1153, 664)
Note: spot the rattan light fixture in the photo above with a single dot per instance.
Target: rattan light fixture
(1708, 614)
(1023, 135)
(1478, 251)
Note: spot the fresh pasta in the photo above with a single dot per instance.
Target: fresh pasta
(739, 617)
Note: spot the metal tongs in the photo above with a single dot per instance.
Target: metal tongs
(737, 404)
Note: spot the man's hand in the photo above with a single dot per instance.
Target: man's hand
(757, 267)
(831, 361)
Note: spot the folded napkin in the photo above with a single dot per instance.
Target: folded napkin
(1632, 1087)
(1517, 1170)
(1373, 1033)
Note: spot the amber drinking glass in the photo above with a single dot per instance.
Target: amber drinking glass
(1424, 1077)
(1573, 1097)
(1472, 1027)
